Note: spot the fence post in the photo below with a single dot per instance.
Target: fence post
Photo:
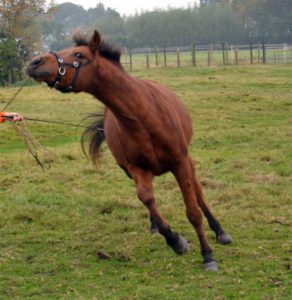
(226, 54)
(177, 57)
(264, 53)
(130, 57)
(156, 56)
(259, 53)
(147, 61)
(194, 55)
(251, 53)
(223, 53)
(284, 50)
(236, 56)
(232, 54)
(209, 58)
(164, 55)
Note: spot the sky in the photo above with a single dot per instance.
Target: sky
(127, 7)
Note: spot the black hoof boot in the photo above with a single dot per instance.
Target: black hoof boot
(182, 245)
(224, 238)
(209, 263)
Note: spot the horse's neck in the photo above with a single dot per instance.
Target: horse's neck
(119, 92)
(133, 103)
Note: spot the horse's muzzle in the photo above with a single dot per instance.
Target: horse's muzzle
(32, 69)
(36, 63)
(37, 75)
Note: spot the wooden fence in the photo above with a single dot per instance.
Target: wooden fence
(210, 55)
(194, 55)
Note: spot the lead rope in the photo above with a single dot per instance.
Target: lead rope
(42, 155)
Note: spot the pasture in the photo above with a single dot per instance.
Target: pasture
(79, 232)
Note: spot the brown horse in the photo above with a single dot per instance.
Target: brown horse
(147, 129)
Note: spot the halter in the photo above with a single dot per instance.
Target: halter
(62, 71)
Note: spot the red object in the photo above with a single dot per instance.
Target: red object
(2, 119)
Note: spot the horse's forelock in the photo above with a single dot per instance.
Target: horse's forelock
(105, 49)
(80, 40)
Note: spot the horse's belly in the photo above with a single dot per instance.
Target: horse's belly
(140, 149)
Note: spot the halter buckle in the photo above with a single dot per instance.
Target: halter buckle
(75, 64)
(62, 71)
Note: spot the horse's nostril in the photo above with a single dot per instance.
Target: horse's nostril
(37, 62)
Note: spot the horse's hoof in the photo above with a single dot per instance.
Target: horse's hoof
(224, 239)
(210, 266)
(182, 245)
(154, 230)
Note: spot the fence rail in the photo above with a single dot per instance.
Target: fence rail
(206, 55)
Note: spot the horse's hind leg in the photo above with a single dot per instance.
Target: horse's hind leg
(143, 182)
(185, 178)
(222, 237)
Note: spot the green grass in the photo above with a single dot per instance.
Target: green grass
(53, 223)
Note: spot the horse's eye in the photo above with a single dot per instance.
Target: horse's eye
(79, 55)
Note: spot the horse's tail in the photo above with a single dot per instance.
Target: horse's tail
(94, 134)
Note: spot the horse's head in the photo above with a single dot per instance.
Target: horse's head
(70, 69)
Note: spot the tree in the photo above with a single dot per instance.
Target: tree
(219, 23)
(68, 17)
(210, 2)
(19, 36)
(269, 20)
(178, 27)
(172, 27)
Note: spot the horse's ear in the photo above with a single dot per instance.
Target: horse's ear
(94, 41)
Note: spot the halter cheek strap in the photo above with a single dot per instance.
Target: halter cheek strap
(62, 71)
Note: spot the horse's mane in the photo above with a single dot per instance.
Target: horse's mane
(105, 49)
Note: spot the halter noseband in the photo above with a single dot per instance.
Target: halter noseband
(62, 71)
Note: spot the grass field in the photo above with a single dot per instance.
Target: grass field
(54, 222)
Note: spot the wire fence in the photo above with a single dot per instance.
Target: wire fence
(206, 55)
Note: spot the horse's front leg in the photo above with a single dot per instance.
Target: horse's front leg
(143, 182)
